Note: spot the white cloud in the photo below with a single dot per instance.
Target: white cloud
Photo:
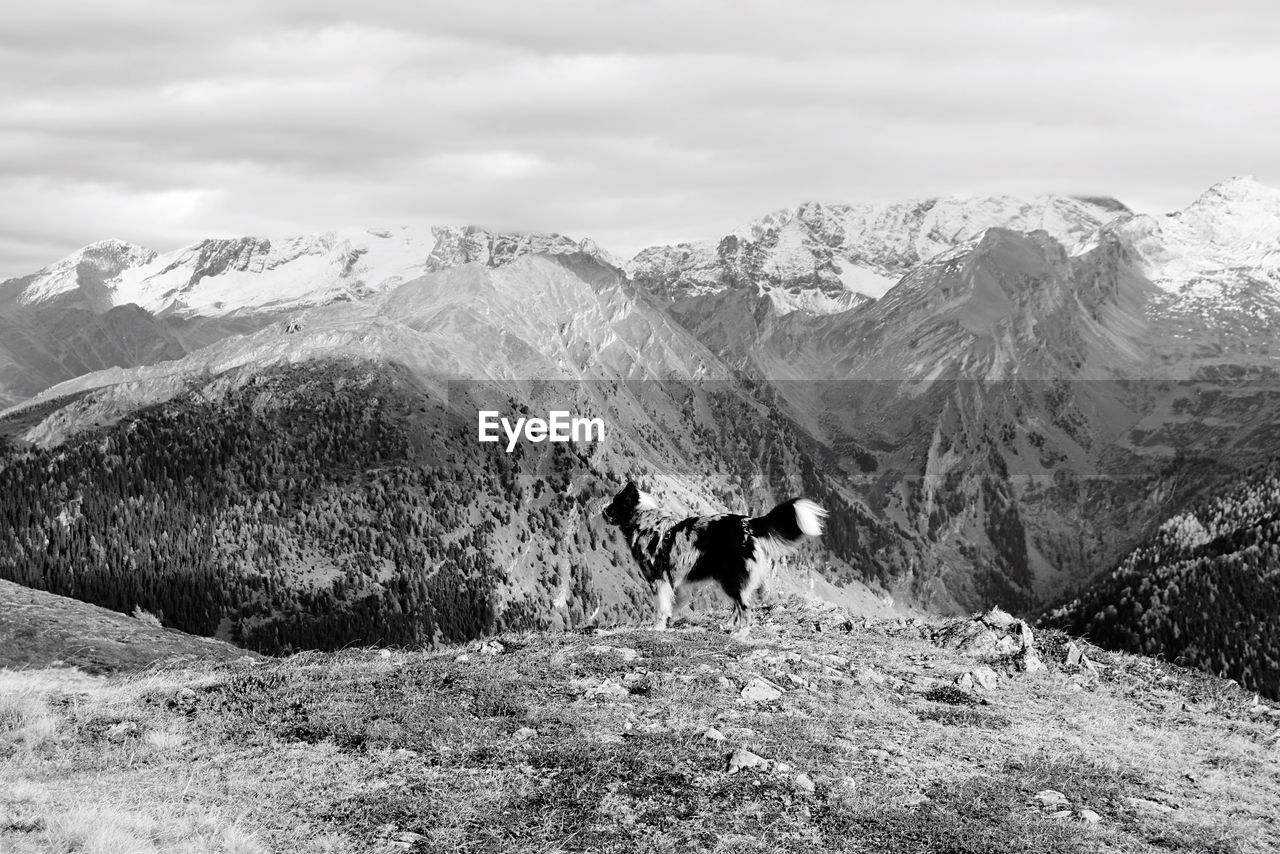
(630, 122)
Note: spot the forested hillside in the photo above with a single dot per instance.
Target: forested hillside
(341, 503)
(1204, 591)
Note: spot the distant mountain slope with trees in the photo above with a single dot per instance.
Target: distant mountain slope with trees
(1204, 591)
(340, 503)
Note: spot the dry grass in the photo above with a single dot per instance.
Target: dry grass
(26, 721)
(357, 752)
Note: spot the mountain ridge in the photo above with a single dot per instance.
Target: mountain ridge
(851, 253)
(1018, 410)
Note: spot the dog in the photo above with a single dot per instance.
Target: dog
(735, 551)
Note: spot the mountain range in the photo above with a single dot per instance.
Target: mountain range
(998, 398)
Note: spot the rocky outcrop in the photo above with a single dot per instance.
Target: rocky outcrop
(474, 245)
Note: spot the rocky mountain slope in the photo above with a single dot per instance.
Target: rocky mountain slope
(42, 347)
(820, 731)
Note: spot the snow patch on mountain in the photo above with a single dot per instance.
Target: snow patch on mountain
(861, 280)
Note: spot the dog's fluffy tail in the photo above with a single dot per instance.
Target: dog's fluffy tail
(790, 522)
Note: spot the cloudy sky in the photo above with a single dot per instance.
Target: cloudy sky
(635, 122)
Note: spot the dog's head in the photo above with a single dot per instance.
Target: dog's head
(627, 503)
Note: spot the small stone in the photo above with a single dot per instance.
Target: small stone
(1008, 645)
(1089, 816)
(804, 783)
(760, 691)
(965, 681)
(1029, 662)
(491, 648)
(869, 676)
(782, 767)
(985, 678)
(1060, 814)
(1146, 804)
(609, 690)
(405, 840)
(462, 659)
(1073, 655)
(627, 654)
(713, 734)
(125, 729)
(384, 653)
(742, 759)
(724, 684)
(1051, 797)
(996, 618)
(525, 733)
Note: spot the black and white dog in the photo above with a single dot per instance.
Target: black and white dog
(735, 551)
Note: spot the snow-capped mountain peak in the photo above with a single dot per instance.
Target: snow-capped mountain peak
(218, 277)
(1231, 230)
(86, 268)
(225, 275)
(824, 258)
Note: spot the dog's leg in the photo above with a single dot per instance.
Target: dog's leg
(684, 593)
(740, 621)
(746, 598)
(663, 598)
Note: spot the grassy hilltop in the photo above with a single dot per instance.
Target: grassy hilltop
(818, 732)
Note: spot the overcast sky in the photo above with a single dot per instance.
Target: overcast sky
(635, 123)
